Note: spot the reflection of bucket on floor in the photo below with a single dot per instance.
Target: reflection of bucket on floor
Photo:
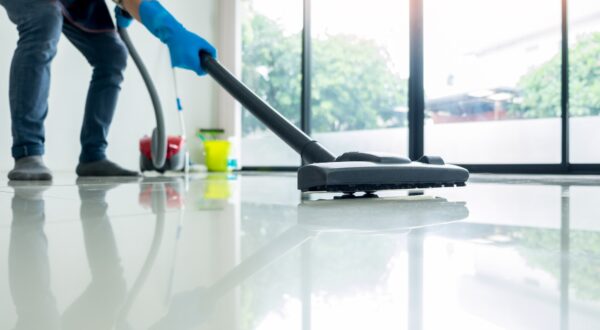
(217, 186)
(217, 154)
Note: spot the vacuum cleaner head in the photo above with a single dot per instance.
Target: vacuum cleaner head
(355, 172)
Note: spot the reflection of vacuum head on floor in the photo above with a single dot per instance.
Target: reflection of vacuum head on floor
(349, 173)
(379, 215)
(159, 152)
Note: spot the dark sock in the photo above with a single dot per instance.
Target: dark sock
(30, 168)
(103, 168)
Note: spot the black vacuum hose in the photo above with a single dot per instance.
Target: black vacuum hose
(159, 135)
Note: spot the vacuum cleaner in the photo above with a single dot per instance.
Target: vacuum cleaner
(349, 173)
(158, 152)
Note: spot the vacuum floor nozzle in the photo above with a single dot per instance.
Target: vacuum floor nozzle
(349, 173)
(359, 176)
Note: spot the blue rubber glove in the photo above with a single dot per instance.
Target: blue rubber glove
(184, 46)
(123, 18)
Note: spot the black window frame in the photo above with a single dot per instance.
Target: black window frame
(416, 100)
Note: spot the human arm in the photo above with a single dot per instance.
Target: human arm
(184, 46)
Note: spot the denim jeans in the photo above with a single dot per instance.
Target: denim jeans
(39, 24)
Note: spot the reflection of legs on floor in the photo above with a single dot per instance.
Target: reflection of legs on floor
(99, 304)
(29, 269)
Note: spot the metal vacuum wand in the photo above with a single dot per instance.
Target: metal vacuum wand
(310, 150)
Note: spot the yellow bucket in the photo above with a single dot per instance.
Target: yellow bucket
(217, 154)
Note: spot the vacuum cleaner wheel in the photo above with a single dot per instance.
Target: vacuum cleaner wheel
(174, 163)
(146, 164)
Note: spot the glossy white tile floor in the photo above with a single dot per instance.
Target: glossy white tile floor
(247, 252)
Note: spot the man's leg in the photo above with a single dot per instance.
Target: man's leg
(39, 24)
(108, 56)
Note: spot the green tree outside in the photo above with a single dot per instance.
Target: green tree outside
(353, 86)
(271, 68)
(361, 91)
(541, 86)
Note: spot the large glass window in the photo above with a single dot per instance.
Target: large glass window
(271, 66)
(492, 78)
(493, 81)
(584, 80)
(359, 75)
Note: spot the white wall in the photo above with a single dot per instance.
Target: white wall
(134, 117)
